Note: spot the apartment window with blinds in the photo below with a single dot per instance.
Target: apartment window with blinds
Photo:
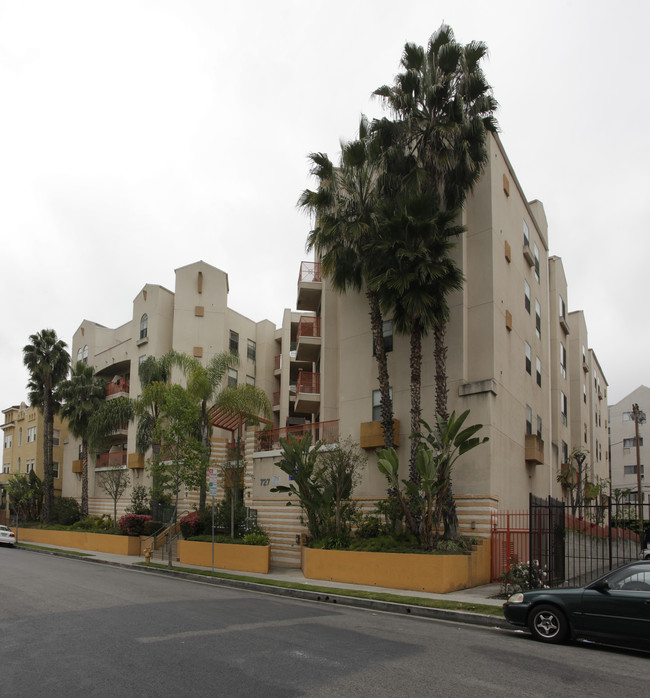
(562, 360)
(529, 360)
(251, 351)
(538, 371)
(631, 443)
(536, 255)
(529, 419)
(376, 404)
(563, 408)
(539, 427)
(232, 377)
(565, 452)
(538, 319)
(234, 342)
(527, 296)
(526, 234)
(31, 434)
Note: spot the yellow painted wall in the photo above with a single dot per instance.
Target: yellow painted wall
(433, 573)
(244, 558)
(119, 545)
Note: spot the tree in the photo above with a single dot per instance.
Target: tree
(26, 495)
(203, 383)
(346, 207)
(445, 110)
(114, 483)
(82, 394)
(47, 361)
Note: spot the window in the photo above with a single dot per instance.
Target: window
(563, 408)
(250, 380)
(144, 323)
(584, 393)
(631, 443)
(538, 370)
(565, 452)
(387, 333)
(376, 404)
(529, 365)
(585, 432)
(562, 308)
(527, 296)
(142, 359)
(80, 354)
(538, 319)
(20, 436)
(55, 470)
(234, 342)
(251, 351)
(539, 427)
(18, 464)
(56, 437)
(8, 438)
(29, 466)
(584, 355)
(232, 377)
(529, 420)
(628, 416)
(562, 360)
(526, 234)
(6, 468)
(536, 255)
(631, 470)
(85, 355)
(31, 434)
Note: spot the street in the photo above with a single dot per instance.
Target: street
(72, 628)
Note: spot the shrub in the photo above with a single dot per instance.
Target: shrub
(151, 527)
(133, 524)
(139, 501)
(190, 525)
(521, 576)
(255, 539)
(94, 523)
(66, 511)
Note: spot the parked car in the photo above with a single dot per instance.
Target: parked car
(615, 608)
(7, 536)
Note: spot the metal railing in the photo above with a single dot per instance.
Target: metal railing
(111, 460)
(310, 272)
(269, 439)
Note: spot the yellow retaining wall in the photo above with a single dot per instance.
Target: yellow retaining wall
(434, 573)
(227, 556)
(120, 545)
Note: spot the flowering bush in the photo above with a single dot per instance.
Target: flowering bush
(190, 525)
(133, 524)
(521, 576)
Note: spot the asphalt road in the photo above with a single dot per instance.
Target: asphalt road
(72, 628)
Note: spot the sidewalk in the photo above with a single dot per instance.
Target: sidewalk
(478, 595)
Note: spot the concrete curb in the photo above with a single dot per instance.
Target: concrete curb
(464, 617)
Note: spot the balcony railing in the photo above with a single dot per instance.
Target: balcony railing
(308, 383)
(308, 327)
(122, 385)
(269, 439)
(310, 272)
(111, 460)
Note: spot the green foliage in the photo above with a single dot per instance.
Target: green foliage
(65, 511)
(114, 483)
(255, 539)
(94, 523)
(139, 501)
(521, 576)
(26, 495)
(133, 524)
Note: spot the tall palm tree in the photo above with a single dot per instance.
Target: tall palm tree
(83, 395)
(47, 361)
(445, 110)
(203, 383)
(346, 208)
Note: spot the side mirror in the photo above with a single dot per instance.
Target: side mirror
(601, 585)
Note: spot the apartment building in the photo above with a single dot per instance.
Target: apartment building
(622, 445)
(194, 319)
(22, 448)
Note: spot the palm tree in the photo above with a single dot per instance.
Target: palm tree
(47, 361)
(82, 394)
(203, 383)
(346, 209)
(445, 111)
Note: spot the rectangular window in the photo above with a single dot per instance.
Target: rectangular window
(563, 408)
(234, 342)
(529, 420)
(628, 416)
(56, 437)
(562, 309)
(8, 438)
(55, 470)
(376, 404)
(539, 427)
(562, 360)
(250, 380)
(538, 370)
(538, 319)
(536, 255)
(527, 296)
(6, 468)
(31, 434)
(387, 333)
(232, 377)
(529, 360)
(585, 432)
(584, 393)
(29, 466)
(565, 452)
(251, 351)
(631, 443)
(526, 234)
(631, 470)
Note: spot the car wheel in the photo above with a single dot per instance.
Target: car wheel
(548, 624)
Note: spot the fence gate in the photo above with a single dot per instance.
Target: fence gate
(547, 539)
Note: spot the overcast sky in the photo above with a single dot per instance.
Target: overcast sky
(137, 137)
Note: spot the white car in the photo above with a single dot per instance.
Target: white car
(7, 536)
(645, 554)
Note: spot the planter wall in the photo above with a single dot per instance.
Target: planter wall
(227, 556)
(120, 545)
(434, 573)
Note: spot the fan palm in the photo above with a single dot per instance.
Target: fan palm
(82, 395)
(47, 360)
(346, 208)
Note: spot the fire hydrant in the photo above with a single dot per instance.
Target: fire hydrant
(147, 555)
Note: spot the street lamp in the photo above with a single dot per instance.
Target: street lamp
(639, 418)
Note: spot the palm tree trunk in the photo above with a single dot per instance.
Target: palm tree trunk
(440, 355)
(377, 325)
(48, 417)
(84, 479)
(416, 410)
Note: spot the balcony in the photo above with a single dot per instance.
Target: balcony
(117, 388)
(269, 439)
(372, 434)
(564, 324)
(308, 339)
(310, 286)
(111, 460)
(534, 447)
(528, 255)
(307, 393)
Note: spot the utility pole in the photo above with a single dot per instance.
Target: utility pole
(639, 418)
